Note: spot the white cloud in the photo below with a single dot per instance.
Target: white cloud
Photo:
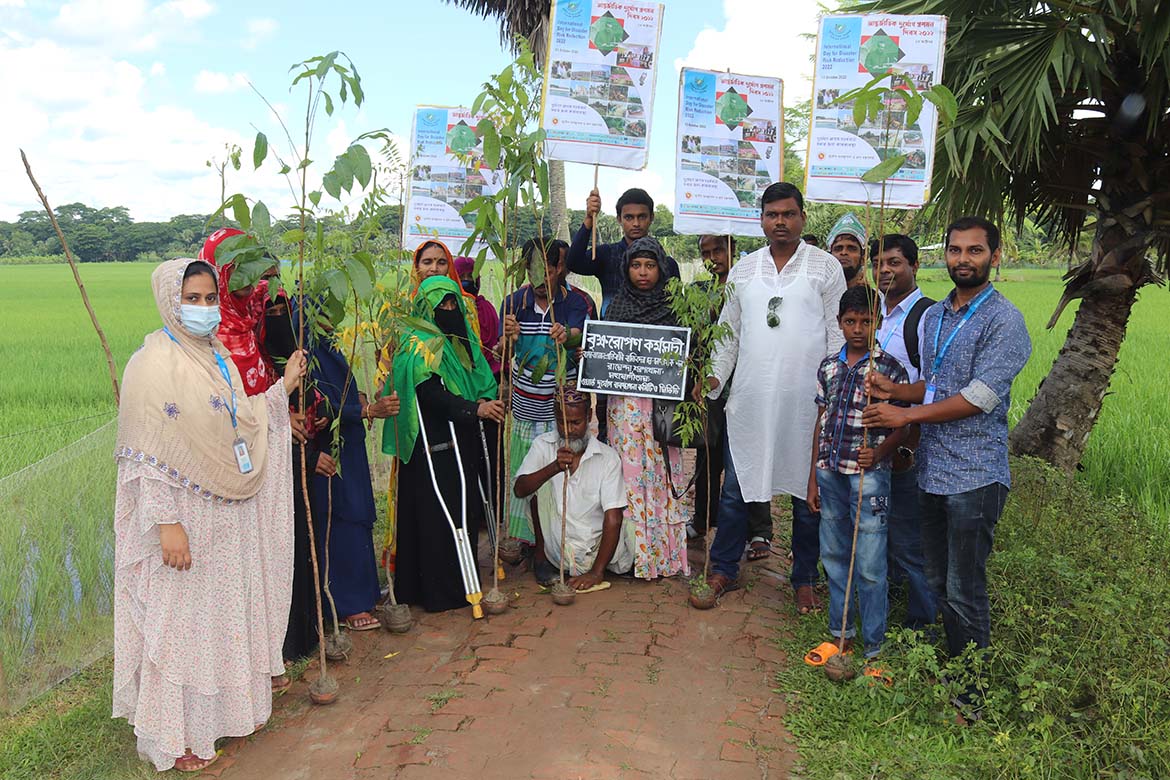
(761, 39)
(158, 69)
(189, 10)
(91, 137)
(209, 82)
(258, 31)
(136, 25)
(11, 3)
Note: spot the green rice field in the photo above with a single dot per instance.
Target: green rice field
(56, 442)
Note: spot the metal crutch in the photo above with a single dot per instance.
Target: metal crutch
(462, 543)
(486, 494)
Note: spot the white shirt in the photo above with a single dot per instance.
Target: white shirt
(594, 488)
(770, 409)
(891, 338)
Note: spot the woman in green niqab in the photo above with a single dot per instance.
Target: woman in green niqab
(445, 386)
(440, 342)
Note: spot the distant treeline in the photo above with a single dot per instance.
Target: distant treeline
(110, 235)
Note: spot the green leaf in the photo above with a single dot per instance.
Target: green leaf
(491, 143)
(294, 236)
(284, 169)
(359, 162)
(261, 220)
(315, 197)
(259, 150)
(332, 185)
(359, 277)
(328, 104)
(884, 170)
(325, 64)
(419, 324)
(944, 99)
(343, 172)
(338, 284)
(240, 211)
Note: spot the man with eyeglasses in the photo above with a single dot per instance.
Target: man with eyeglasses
(782, 310)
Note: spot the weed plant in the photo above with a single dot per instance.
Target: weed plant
(1077, 683)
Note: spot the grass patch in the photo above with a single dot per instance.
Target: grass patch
(68, 734)
(1078, 683)
(439, 700)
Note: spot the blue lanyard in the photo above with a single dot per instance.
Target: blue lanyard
(223, 371)
(971, 308)
(894, 329)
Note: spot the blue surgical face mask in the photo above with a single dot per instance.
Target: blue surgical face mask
(199, 320)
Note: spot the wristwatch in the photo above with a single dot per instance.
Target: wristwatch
(905, 452)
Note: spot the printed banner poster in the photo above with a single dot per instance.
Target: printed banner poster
(624, 358)
(441, 182)
(851, 51)
(599, 81)
(728, 150)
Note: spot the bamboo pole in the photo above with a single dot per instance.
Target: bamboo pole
(76, 277)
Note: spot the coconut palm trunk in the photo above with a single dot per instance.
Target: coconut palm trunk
(1068, 402)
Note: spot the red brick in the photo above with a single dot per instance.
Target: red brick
(501, 653)
(733, 752)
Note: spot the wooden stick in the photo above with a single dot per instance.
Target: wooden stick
(593, 236)
(76, 277)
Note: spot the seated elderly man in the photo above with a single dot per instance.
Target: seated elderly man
(597, 538)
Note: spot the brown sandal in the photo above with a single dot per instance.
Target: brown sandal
(806, 600)
(191, 763)
(759, 550)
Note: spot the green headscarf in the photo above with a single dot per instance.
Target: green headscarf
(414, 364)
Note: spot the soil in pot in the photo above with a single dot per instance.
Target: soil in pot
(563, 595)
(323, 690)
(495, 603)
(839, 668)
(338, 646)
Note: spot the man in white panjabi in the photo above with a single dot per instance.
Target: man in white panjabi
(782, 311)
(596, 537)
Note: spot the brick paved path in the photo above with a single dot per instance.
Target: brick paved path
(626, 683)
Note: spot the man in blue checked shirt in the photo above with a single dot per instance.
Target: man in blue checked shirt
(974, 344)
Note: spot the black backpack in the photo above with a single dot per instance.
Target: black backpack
(910, 330)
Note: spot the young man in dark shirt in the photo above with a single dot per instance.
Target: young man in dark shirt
(635, 212)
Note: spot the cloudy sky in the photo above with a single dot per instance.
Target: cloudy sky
(122, 102)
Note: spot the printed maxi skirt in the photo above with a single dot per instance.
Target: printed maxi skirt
(660, 520)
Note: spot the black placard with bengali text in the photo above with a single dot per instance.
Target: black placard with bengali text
(622, 358)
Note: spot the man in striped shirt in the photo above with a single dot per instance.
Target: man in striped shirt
(538, 318)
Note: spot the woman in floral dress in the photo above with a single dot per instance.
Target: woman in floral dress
(660, 519)
(203, 528)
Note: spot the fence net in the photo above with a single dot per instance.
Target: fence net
(56, 564)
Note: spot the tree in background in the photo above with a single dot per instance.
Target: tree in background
(528, 19)
(1063, 116)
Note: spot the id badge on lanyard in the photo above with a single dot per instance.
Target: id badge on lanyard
(239, 446)
(931, 385)
(243, 459)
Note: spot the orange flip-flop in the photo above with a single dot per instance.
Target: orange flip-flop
(821, 653)
(877, 673)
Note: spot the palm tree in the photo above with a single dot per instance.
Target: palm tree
(1063, 118)
(528, 19)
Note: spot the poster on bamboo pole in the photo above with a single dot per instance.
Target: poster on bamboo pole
(729, 149)
(599, 81)
(851, 51)
(446, 171)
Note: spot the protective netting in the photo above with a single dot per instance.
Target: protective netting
(56, 565)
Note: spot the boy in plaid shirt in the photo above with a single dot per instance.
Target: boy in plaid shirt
(842, 448)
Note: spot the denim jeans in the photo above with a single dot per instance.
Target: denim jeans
(957, 535)
(737, 518)
(839, 494)
(806, 544)
(905, 548)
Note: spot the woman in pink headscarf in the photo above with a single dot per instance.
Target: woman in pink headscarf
(489, 320)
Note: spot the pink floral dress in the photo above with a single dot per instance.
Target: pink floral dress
(660, 520)
(195, 651)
